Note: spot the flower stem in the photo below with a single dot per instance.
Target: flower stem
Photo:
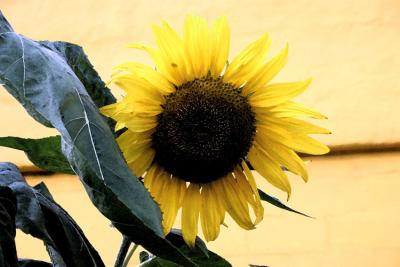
(126, 242)
(130, 255)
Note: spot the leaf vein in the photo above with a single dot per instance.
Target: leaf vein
(78, 118)
(90, 133)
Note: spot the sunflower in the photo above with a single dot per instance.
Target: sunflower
(196, 125)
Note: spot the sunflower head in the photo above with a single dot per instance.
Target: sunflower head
(194, 123)
(205, 130)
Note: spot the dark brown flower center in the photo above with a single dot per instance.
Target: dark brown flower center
(205, 130)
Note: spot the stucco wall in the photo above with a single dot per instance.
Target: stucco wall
(351, 48)
(354, 200)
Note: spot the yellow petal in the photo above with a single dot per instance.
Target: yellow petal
(143, 162)
(190, 214)
(220, 39)
(160, 180)
(128, 137)
(296, 141)
(163, 65)
(172, 51)
(209, 213)
(247, 62)
(278, 93)
(116, 110)
(109, 110)
(119, 126)
(271, 171)
(259, 209)
(284, 156)
(134, 151)
(291, 124)
(141, 124)
(236, 205)
(267, 72)
(170, 200)
(138, 88)
(219, 202)
(304, 126)
(306, 144)
(243, 185)
(148, 74)
(196, 37)
(251, 196)
(292, 109)
(276, 133)
(150, 176)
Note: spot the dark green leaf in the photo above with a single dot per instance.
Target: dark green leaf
(8, 209)
(157, 262)
(40, 216)
(46, 83)
(277, 203)
(29, 215)
(32, 263)
(45, 153)
(84, 70)
(176, 238)
(143, 256)
(199, 254)
(12, 62)
(42, 188)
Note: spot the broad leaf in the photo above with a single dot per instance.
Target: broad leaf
(41, 217)
(143, 256)
(8, 209)
(198, 257)
(277, 203)
(13, 62)
(84, 70)
(45, 153)
(199, 254)
(33, 263)
(45, 83)
(176, 238)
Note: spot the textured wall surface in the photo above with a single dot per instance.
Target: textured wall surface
(354, 200)
(350, 48)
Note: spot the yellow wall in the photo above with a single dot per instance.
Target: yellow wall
(354, 198)
(351, 48)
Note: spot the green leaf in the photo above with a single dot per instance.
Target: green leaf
(84, 70)
(45, 83)
(277, 203)
(33, 263)
(213, 260)
(199, 254)
(143, 256)
(45, 153)
(11, 62)
(40, 216)
(176, 238)
(76, 58)
(157, 262)
(8, 208)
